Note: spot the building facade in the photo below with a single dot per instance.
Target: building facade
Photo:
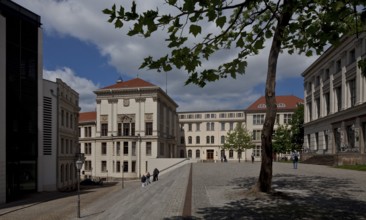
(335, 102)
(57, 170)
(202, 133)
(20, 100)
(134, 121)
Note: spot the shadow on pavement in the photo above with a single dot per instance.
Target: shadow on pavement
(296, 197)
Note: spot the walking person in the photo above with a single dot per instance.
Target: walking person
(143, 180)
(155, 175)
(252, 157)
(295, 158)
(148, 178)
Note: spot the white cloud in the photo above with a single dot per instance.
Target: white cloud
(84, 20)
(82, 86)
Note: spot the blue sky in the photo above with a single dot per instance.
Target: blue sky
(87, 53)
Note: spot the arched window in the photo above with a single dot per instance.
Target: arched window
(190, 140)
(198, 140)
(198, 154)
(222, 153)
(212, 126)
(231, 153)
(207, 139)
(181, 154)
(212, 139)
(189, 153)
(207, 126)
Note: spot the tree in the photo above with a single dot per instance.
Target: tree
(297, 128)
(301, 26)
(282, 140)
(239, 140)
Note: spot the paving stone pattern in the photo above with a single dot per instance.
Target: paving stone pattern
(218, 192)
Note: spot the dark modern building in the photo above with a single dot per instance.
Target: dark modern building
(20, 76)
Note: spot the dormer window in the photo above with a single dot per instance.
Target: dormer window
(262, 106)
(281, 105)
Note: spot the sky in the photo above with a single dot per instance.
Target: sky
(86, 52)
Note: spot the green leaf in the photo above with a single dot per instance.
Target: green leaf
(309, 53)
(118, 23)
(195, 29)
(172, 2)
(220, 22)
(121, 12)
(240, 42)
(107, 11)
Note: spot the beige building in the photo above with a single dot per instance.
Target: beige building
(134, 122)
(202, 133)
(335, 102)
(60, 140)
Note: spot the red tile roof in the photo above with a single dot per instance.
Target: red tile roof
(87, 116)
(283, 103)
(133, 83)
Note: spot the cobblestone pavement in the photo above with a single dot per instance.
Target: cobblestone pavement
(309, 192)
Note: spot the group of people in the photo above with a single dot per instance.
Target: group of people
(145, 179)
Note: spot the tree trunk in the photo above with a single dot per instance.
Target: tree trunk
(264, 183)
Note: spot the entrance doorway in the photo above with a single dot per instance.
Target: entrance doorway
(210, 154)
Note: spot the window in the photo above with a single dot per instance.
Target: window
(310, 110)
(162, 149)
(148, 148)
(239, 115)
(277, 118)
(338, 66)
(352, 91)
(317, 102)
(126, 129)
(257, 151)
(62, 145)
(258, 119)
(125, 148)
(338, 92)
(231, 115)
(190, 140)
(352, 56)
(207, 115)
(71, 123)
(287, 118)
(207, 139)
(149, 128)
(67, 146)
(212, 139)
(182, 140)
(198, 126)
(118, 166)
(67, 119)
(87, 131)
(231, 154)
(317, 81)
(213, 115)
(104, 127)
(222, 115)
(125, 166)
(87, 165)
(222, 139)
(222, 126)
(326, 74)
(198, 154)
(182, 127)
(257, 135)
(208, 126)
(327, 103)
(104, 166)
(118, 148)
(189, 153)
(231, 126)
(133, 167)
(198, 116)
(87, 148)
(198, 140)
(189, 127)
(104, 148)
(133, 151)
(62, 173)
(62, 118)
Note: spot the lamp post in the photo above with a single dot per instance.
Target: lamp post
(123, 183)
(79, 164)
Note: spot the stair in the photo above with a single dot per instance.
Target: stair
(327, 160)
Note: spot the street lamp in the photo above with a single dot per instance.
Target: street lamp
(79, 164)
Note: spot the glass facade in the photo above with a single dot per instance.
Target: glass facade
(21, 100)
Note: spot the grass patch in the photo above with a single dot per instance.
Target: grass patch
(353, 167)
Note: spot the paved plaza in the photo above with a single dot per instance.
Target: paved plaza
(215, 191)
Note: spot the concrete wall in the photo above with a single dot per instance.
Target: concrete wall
(2, 110)
(166, 164)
